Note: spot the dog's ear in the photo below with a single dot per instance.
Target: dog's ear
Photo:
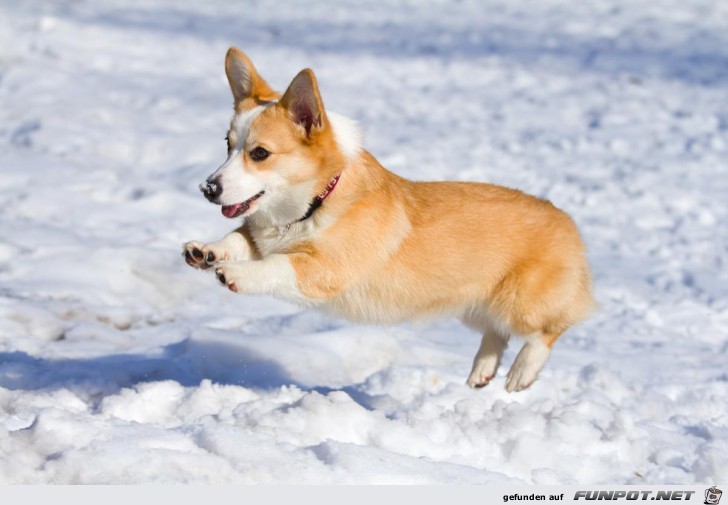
(245, 81)
(303, 102)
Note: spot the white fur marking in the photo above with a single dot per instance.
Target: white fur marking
(528, 364)
(232, 247)
(285, 204)
(273, 275)
(241, 124)
(347, 133)
(488, 359)
(237, 184)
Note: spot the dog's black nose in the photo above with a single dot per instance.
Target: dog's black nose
(211, 189)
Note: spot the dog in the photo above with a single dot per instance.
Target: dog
(326, 226)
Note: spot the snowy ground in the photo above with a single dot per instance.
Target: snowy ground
(119, 364)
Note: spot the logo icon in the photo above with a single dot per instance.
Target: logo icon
(712, 496)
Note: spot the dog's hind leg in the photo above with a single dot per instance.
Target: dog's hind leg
(529, 362)
(488, 357)
(540, 301)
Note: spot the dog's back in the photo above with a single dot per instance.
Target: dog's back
(414, 249)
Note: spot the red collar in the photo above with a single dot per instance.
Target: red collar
(319, 199)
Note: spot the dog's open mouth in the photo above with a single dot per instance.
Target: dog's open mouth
(241, 208)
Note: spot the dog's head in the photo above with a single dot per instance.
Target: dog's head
(281, 149)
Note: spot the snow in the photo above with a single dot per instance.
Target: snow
(120, 364)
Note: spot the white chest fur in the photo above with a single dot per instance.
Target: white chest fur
(273, 240)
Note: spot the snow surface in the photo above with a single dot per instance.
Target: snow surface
(120, 364)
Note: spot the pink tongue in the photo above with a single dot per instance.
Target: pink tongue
(231, 210)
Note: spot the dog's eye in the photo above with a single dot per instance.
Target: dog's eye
(259, 154)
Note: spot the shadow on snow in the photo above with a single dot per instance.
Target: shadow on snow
(187, 363)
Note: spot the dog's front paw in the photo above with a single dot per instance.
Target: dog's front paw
(202, 256)
(228, 276)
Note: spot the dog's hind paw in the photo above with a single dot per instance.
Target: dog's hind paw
(528, 364)
(482, 374)
(476, 381)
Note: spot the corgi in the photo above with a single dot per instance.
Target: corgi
(326, 226)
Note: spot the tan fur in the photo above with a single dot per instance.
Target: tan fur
(248, 87)
(414, 249)
(385, 249)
